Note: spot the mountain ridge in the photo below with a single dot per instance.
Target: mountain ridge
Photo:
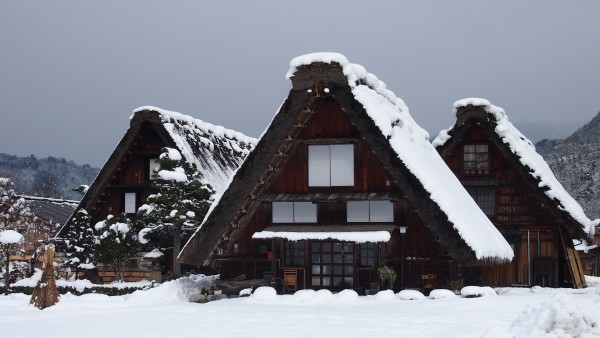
(46, 177)
(575, 162)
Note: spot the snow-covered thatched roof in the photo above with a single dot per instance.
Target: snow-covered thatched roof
(215, 150)
(368, 99)
(525, 151)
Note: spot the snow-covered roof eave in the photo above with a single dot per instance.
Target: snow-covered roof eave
(349, 236)
(524, 149)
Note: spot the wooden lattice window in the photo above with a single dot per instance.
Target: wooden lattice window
(294, 253)
(476, 159)
(368, 254)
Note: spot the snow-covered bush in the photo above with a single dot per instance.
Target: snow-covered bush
(441, 293)
(117, 243)
(472, 291)
(264, 293)
(410, 295)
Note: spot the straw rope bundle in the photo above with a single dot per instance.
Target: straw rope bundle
(46, 293)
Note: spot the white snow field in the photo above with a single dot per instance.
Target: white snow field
(165, 312)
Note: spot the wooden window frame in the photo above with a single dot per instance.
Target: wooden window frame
(480, 164)
(370, 212)
(313, 181)
(293, 219)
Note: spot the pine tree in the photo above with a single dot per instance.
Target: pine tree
(179, 206)
(80, 243)
(117, 243)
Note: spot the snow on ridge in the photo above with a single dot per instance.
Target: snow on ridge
(48, 199)
(356, 75)
(524, 149)
(206, 127)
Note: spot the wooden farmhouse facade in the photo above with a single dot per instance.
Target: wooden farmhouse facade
(517, 190)
(125, 181)
(342, 182)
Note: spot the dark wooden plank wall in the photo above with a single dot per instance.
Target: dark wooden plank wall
(330, 122)
(517, 210)
(132, 174)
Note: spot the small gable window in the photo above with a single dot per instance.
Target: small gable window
(294, 212)
(476, 159)
(484, 197)
(153, 168)
(331, 165)
(130, 203)
(370, 211)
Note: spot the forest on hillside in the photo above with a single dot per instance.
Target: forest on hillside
(47, 177)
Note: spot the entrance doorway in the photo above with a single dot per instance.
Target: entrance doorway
(332, 265)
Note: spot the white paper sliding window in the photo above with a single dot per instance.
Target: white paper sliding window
(331, 165)
(370, 211)
(130, 203)
(294, 212)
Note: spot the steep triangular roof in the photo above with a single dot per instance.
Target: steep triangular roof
(399, 143)
(522, 151)
(216, 151)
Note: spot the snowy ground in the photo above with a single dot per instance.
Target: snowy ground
(165, 312)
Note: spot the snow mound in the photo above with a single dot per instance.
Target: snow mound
(441, 293)
(347, 295)
(246, 292)
(385, 295)
(31, 281)
(304, 295)
(477, 291)
(592, 281)
(562, 316)
(514, 291)
(264, 293)
(176, 290)
(323, 294)
(410, 295)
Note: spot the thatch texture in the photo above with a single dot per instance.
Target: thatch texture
(46, 293)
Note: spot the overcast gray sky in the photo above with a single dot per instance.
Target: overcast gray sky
(71, 72)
